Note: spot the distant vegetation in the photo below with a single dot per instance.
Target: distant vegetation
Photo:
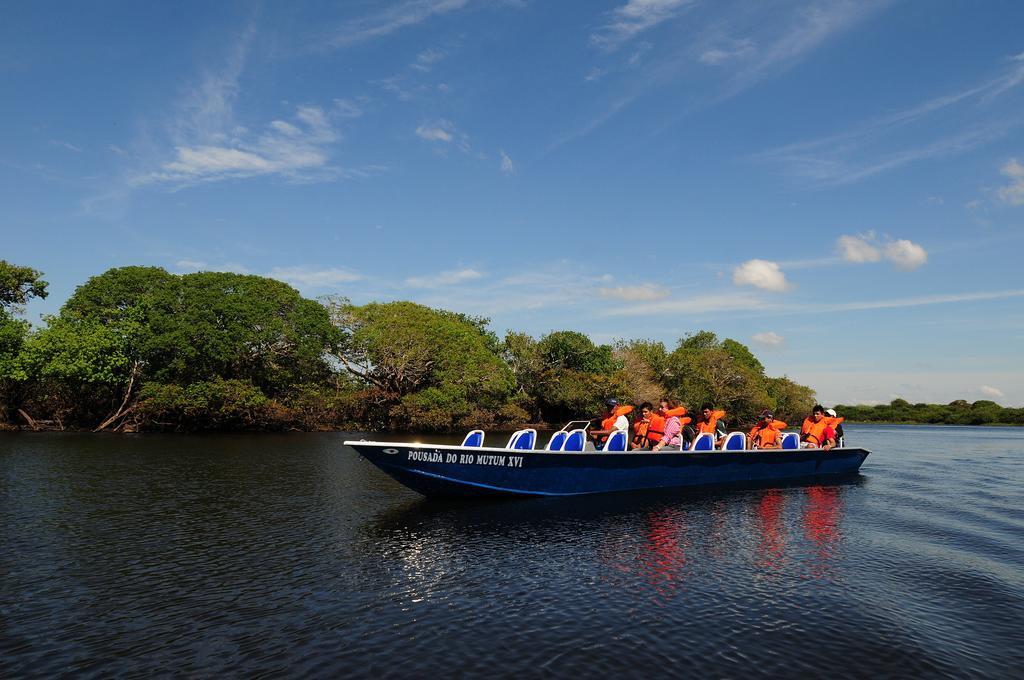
(958, 412)
(138, 348)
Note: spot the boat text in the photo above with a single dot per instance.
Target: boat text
(497, 460)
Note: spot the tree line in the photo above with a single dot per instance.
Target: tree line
(139, 348)
(959, 412)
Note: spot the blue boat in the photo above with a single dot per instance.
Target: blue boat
(567, 466)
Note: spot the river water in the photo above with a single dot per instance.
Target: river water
(287, 555)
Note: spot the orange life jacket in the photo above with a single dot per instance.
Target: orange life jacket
(709, 426)
(609, 422)
(815, 431)
(656, 428)
(677, 411)
(767, 436)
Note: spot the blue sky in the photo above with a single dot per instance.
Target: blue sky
(839, 185)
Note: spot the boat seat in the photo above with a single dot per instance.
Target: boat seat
(574, 441)
(735, 441)
(556, 441)
(522, 440)
(705, 441)
(616, 441)
(790, 440)
(474, 438)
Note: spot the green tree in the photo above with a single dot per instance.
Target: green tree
(429, 369)
(17, 286)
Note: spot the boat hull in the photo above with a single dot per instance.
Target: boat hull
(439, 470)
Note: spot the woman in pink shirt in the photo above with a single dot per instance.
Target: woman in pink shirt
(673, 428)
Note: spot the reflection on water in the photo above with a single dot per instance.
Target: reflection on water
(287, 555)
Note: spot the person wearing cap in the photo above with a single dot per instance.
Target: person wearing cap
(765, 435)
(615, 420)
(837, 426)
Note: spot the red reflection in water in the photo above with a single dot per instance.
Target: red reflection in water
(663, 556)
(772, 546)
(822, 514)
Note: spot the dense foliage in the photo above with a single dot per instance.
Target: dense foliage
(141, 348)
(958, 412)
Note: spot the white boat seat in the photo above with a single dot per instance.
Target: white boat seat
(556, 441)
(522, 440)
(616, 441)
(735, 441)
(705, 441)
(575, 441)
(474, 438)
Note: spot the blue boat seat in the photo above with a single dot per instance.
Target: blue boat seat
(522, 440)
(575, 441)
(616, 441)
(705, 441)
(556, 441)
(790, 440)
(474, 438)
(735, 441)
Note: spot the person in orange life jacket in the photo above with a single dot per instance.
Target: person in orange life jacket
(642, 427)
(615, 420)
(840, 437)
(765, 435)
(674, 420)
(709, 420)
(818, 430)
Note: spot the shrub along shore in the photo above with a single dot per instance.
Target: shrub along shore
(141, 349)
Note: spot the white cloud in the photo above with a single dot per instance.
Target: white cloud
(644, 292)
(1013, 193)
(389, 20)
(720, 55)
(439, 131)
(991, 391)
(66, 145)
(768, 339)
(857, 249)
(905, 255)
(114, 148)
(284, 148)
(426, 59)
(447, 278)
(633, 18)
(346, 108)
(312, 277)
(507, 166)
(698, 304)
(760, 274)
(868, 148)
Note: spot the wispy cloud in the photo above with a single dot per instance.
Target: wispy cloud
(762, 274)
(768, 340)
(643, 292)
(859, 153)
(1013, 193)
(507, 166)
(426, 59)
(734, 49)
(66, 145)
(697, 304)
(286, 148)
(312, 278)
(446, 278)
(990, 391)
(635, 17)
(387, 21)
(437, 131)
(920, 301)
